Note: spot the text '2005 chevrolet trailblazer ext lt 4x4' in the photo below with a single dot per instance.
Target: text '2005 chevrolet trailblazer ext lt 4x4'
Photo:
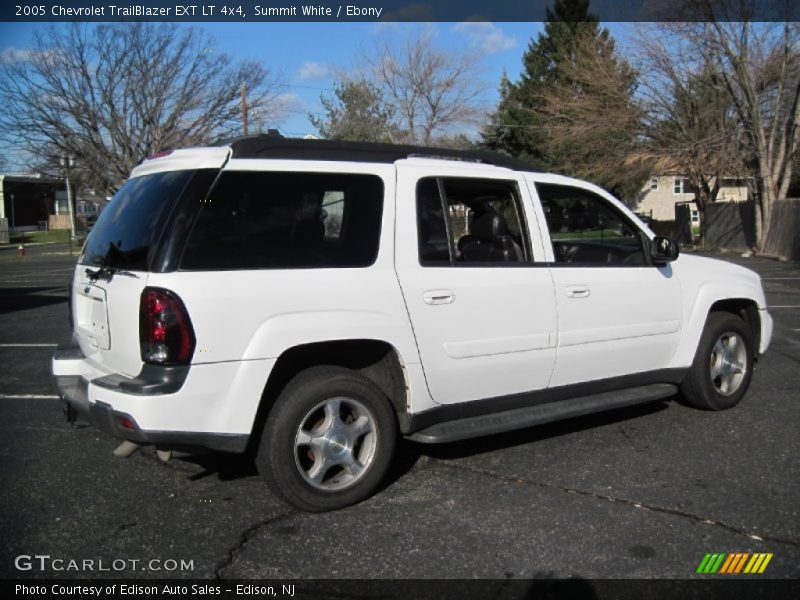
(313, 300)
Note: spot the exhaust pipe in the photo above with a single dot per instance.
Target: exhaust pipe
(125, 449)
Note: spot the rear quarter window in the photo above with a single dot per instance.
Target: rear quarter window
(129, 228)
(278, 220)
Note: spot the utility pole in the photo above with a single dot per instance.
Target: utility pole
(244, 108)
(67, 162)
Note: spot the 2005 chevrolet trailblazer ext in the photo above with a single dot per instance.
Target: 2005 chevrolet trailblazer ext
(312, 300)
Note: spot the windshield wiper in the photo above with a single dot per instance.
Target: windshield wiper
(108, 273)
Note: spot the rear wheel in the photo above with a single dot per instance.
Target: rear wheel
(723, 364)
(329, 439)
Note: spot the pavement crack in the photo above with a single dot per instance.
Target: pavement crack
(632, 503)
(244, 538)
(119, 529)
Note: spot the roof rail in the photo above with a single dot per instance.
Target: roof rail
(272, 146)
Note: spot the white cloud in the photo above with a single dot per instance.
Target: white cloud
(289, 98)
(13, 55)
(288, 101)
(488, 37)
(311, 70)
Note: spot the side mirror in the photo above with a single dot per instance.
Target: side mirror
(663, 250)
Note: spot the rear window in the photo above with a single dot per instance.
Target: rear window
(128, 230)
(277, 220)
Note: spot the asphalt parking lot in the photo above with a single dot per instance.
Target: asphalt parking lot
(643, 492)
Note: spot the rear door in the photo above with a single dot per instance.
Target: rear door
(482, 307)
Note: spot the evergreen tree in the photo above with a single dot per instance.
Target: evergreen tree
(573, 108)
(519, 126)
(357, 113)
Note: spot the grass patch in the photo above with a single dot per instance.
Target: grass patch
(38, 237)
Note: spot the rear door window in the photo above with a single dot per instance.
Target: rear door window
(277, 220)
(468, 221)
(129, 228)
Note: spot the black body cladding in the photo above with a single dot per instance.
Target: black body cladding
(277, 147)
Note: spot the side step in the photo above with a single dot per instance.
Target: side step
(518, 418)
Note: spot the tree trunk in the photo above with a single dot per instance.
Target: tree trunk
(765, 206)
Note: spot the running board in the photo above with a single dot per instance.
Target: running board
(518, 418)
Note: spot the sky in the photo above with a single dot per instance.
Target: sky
(303, 54)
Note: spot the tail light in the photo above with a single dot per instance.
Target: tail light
(166, 335)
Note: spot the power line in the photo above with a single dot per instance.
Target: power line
(489, 96)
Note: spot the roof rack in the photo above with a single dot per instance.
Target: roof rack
(276, 146)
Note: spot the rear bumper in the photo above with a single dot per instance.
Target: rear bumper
(158, 405)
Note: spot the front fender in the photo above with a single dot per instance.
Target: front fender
(707, 295)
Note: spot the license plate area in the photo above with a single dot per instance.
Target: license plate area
(92, 315)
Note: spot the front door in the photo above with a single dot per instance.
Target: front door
(618, 314)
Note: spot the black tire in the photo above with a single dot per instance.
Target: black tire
(314, 428)
(724, 356)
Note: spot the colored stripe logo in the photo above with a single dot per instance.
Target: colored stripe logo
(734, 563)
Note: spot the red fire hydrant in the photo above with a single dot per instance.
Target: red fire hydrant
(21, 250)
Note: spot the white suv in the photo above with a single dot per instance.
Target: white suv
(311, 301)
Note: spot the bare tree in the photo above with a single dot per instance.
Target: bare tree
(431, 91)
(759, 69)
(762, 76)
(111, 95)
(690, 124)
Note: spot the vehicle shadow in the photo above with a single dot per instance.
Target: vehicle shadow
(13, 299)
(410, 452)
(537, 433)
(229, 467)
(224, 465)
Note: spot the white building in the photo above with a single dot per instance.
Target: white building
(666, 189)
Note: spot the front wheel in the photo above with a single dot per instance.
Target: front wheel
(723, 364)
(329, 439)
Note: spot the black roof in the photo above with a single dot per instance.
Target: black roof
(275, 146)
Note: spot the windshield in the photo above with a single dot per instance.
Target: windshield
(128, 229)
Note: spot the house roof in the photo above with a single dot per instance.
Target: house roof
(29, 178)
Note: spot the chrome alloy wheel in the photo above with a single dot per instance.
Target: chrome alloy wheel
(335, 443)
(728, 365)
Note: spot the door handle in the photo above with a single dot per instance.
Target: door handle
(577, 291)
(439, 297)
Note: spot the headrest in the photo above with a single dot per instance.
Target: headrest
(489, 226)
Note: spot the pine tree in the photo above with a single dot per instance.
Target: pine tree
(519, 127)
(358, 112)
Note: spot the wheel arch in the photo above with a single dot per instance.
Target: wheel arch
(377, 360)
(740, 300)
(747, 310)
